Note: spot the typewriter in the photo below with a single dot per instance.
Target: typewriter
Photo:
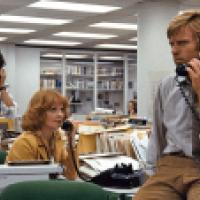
(121, 176)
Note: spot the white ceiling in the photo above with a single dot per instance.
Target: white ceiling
(81, 21)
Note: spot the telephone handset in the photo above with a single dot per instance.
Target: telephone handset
(67, 126)
(123, 176)
(181, 69)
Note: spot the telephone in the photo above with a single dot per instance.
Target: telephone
(120, 176)
(181, 69)
(67, 126)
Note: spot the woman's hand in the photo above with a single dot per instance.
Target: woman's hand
(71, 135)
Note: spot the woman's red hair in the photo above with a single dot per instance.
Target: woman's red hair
(40, 103)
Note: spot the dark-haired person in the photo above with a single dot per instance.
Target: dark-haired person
(7, 105)
(132, 108)
(41, 138)
(174, 146)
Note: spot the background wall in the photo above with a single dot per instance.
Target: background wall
(27, 75)
(23, 73)
(154, 57)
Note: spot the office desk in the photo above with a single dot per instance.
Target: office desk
(118, 139)
(121, 141)
(13, 174)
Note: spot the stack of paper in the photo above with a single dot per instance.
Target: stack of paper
(139, 140)
(94, 165)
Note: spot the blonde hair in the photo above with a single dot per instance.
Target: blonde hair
(40, 103)
(189, 18)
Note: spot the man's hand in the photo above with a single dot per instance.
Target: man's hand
(2, 76)
(4, 94)
(194, 75)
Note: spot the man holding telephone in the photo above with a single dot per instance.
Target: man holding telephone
(7, 105)
(174, 146)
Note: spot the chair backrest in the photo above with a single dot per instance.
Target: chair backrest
(54, 190)
(3, 155)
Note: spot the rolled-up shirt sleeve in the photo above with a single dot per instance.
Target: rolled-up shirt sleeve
(157, 141)
(9, 111)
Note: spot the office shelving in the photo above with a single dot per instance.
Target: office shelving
(50, 79)
(88, 84)
(79, 87)
(110, 86)
(80, 77)
(110, 78)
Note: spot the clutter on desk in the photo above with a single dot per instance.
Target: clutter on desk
(8, 133)
(137, 121)
(28, 162)
(90, 129)
(114, 120)
(111, 170)
(100, 114)
(103, 111)
(120, 176)
(111, 134)
(139, 140)
(96, 163)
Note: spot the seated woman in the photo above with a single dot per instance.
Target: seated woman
(132, 108)
(41, 139)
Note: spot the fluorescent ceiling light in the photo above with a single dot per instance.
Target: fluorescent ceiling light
(3, 39)
(76, 56)
(52, 42)
(91, 62)
(111, 58)
(109, 25)
(85, 35)
(33, 20)
(16, 30)
(71, 56)
(134, 39)
(72, 6)
(115, 58)
(116, 46)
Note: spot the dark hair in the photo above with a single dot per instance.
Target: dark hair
(134, 105)
(2, 60)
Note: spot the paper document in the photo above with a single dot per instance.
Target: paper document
(103, 163)
(139, 140)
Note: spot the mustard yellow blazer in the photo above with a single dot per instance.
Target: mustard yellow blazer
(29, 146)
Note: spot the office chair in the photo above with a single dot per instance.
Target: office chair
(55, 190)
(3, 155)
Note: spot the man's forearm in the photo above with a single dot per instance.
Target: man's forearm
(7, 100)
